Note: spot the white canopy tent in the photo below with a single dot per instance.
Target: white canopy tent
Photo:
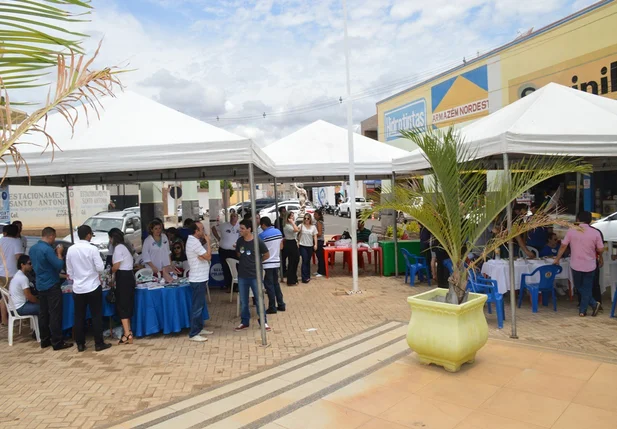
(318, 152)
(136, 140)
(554, 120)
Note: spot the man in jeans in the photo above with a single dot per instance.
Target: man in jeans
(585, 246)
(273, 239)
(84, 266)
(247, 272)
(199, 274)
(47, 265)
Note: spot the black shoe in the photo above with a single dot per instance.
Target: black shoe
(271, 311)
(45, 344)
(81, 347)
(281, 308)
(63, 346)
(101, 347)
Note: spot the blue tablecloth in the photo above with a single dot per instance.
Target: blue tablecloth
(216, 272)
(68, 310)
(164, 310)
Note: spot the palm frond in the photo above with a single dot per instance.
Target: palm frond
(77, 90)
(34, 33)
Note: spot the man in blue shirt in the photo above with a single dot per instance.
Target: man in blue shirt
(47, 265)
(552, 247)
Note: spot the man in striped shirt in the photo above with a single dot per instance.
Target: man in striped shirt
(273, 240)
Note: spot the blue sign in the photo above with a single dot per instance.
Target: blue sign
(408, 117)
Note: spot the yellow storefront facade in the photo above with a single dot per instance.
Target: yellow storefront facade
(579, 51)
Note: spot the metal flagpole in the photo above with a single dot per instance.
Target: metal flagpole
(352, 172)
(260, 287)
(506, 169)
(578, 194)
(395, 231)
(68, 204)
(277, 220)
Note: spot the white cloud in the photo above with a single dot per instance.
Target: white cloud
(235, 58)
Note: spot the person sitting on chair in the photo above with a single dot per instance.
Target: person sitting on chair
(26, 304)
(362, 233)
(552, 246)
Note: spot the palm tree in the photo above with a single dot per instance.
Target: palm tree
(35, 40)
(455, 208)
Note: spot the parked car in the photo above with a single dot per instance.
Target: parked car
(290, 206)
(608, 227)
(344, 209)
(101, 223)
(135, 210)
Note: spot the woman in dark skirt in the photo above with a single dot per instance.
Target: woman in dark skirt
(122, 268)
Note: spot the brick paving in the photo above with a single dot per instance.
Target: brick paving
(45, 389)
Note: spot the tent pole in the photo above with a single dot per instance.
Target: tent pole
(395, 230)
(352, 172)
(506, 169)
(578, 194)
(276, 217)
(257, 253)
(225, 208)
(241, 216)
(68, 205)
(178, 202)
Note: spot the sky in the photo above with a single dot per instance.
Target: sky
(236, 59)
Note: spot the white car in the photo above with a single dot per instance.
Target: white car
(290, 206)
(608, 227)
(126, 221)
(344, 209)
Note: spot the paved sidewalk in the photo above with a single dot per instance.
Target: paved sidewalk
(43, 388)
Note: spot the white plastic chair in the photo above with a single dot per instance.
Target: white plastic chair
(13, 316)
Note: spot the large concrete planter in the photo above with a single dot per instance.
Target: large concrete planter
(445, 334)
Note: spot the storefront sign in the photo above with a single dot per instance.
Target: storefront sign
(410, 116)
(461, 98)
(595, 73)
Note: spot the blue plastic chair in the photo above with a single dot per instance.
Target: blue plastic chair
(414, 266)
(614, 304)
(546, 286)
(479, 284)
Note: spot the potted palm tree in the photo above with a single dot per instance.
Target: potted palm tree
(448, 326)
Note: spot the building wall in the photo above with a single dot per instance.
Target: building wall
(580, 52)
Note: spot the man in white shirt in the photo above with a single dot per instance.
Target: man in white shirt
(227, 235)
(199, 274)
(11, 249)
(84, 265)
(25, 303)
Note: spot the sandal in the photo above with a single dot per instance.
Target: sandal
(581, 315)
(126, 339)
(596, 309)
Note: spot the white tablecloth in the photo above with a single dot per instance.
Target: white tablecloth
(499, 270)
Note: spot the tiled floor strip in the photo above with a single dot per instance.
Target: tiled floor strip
(376, 339)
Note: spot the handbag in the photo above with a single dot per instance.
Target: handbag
(111, 296)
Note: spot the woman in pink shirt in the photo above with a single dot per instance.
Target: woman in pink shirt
(585, 246)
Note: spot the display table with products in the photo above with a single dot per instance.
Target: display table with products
(413, 246)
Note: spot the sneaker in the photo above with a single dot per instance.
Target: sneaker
(318, 275)
(241, 327)
(281, 308)
(268, 328)
(198, 338)
(560, 291)
(206, 332)
(271, 311)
